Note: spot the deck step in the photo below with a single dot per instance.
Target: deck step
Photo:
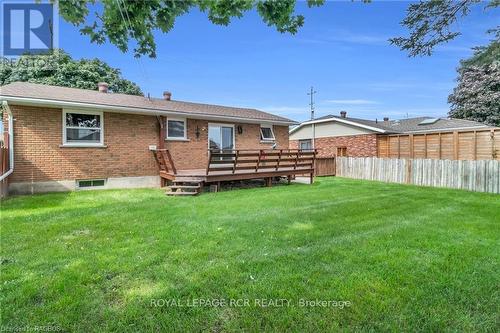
(181, 193)
(184, 186)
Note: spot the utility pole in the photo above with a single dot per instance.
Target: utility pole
(311, 104)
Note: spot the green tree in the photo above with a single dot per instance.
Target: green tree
(430, 23)
(121, 20)
(477, 94)
(60, 69)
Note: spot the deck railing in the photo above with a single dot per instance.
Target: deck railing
(255, 160)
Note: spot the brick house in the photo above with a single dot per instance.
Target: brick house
(66, 138)
(344, 136)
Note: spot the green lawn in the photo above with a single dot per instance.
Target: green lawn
(399, 257)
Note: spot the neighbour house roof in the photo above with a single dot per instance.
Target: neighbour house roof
(63, 96)
(400, 126)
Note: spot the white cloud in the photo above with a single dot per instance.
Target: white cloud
(344, 36)
(351, 101)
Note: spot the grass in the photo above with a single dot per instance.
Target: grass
(406, 258)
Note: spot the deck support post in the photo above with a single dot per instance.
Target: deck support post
(311, 178)
(289, 178)
(269, 181)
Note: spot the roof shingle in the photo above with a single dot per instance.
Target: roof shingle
(411, 125)
(93, 97)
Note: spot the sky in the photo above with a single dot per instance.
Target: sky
(342, 50)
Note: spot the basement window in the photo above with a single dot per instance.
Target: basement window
(266, 133)
(90, 183)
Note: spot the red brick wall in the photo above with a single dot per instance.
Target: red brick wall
(193, 154)
(364, 145)
(38, 154)
(40, 157)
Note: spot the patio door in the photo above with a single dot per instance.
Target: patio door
(220, 137)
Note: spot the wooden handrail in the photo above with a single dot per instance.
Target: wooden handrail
(164, 158)
(232, 160)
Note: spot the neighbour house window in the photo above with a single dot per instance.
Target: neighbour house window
(82, 128)
(266, 133)
(341, 151)
(305, 144)
(176, 129)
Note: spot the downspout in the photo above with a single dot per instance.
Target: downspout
(6, 107)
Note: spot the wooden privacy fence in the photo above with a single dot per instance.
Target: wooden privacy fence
(483, 144)
(325, 166)
(480, 176)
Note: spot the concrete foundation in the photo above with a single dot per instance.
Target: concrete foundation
(70, 185)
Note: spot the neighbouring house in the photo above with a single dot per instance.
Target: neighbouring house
(422, 137)
(66, 138)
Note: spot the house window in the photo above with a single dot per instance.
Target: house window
(266, 133)
(82, 128)
(305, 144)
(342, 151)
(90, 183)
(176, 129)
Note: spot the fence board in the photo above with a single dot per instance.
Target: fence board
(481, 144)
(325, 166)
(478, 176)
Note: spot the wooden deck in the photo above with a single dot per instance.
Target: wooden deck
(241, 165)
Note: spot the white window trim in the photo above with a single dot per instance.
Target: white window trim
(175, 138)
(83, 144)
(221, 125)
(272, 133)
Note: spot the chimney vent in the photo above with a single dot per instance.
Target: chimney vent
(386, 118)
(103, 87)
(343, 114)
(167, 95)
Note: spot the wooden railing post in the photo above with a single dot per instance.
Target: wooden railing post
(235, 161)
(209, 160)
(279, 160)
(258, 161)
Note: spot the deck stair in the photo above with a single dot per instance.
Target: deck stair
(187, 187)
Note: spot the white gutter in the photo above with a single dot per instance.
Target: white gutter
(137, 110)
(6, 107)
(340, 121)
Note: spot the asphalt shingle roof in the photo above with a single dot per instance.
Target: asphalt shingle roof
(411, 125)
(56, 93)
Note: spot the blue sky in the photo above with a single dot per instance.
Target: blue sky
(342, 50)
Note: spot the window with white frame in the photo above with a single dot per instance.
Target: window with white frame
(305, 144)
(83, 128)
(176, 129)
(266, 133)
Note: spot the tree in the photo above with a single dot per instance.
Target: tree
(477, 94)
(121, 20)
(61, 70)
(430, 23)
